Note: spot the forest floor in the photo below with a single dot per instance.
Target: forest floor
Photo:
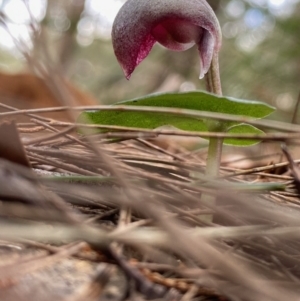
(114, 216)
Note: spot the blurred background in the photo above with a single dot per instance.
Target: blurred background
(259, 60)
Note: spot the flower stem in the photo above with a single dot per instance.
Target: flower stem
(213, 81)
(213, 85)
(214, 157)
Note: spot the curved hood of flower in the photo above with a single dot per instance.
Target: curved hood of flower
(176, 24)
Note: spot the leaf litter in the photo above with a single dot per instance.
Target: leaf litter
(118, 220)
(118, 216)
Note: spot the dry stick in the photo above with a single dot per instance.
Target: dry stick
(26, 124)
(266, 136)
(166, 162)
(70, 137)
(100, 216)
(86, 161)
(59, 164)
(255, 169)
(13, 109)
(189, 216)
(161, 150)
(50, 137)
(126, 135)
(269, 175)
(281, 126)
(40, 120)
(149, 236)
(30, 130)
(280, 198)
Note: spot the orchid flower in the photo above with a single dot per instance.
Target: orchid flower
(175, 24)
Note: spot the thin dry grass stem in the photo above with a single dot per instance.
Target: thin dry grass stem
(267, 136)
(129, 227)
(56, 135)
(100, 216)
(269, 175)
(74, 156)
(124, 220)
(287, 194)
(270, 124)
(151, 145)
(124, 136)
(31, 130)
(282, 198)
(256, 169)
(29, 115)
(60, 165)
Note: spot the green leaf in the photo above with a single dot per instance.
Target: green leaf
(243, 129)
(203, 101)
(196, 100)
(143, 120)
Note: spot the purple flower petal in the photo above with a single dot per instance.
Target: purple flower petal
(176, 24)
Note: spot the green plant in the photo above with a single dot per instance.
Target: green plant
(177, 25)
